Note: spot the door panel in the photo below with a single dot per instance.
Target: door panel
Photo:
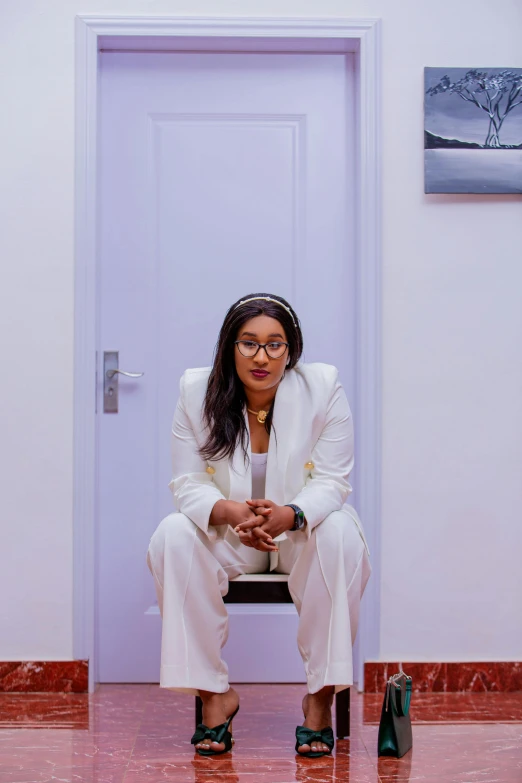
(220, 175)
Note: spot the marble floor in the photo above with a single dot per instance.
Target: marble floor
(139, 734)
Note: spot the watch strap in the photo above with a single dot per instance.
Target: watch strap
(299, 517)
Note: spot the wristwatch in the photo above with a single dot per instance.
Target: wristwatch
(299, 519)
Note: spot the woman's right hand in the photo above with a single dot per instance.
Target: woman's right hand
(230, 512)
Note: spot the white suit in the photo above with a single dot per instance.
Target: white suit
(310, 457)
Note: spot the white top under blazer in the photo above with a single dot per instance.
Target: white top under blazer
(258, 475)
(309, 459)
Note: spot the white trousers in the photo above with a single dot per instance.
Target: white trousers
(327, 575)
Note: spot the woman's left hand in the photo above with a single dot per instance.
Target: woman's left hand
(278, 519)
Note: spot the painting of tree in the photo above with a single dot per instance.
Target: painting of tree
(473, 130)
(496, 95)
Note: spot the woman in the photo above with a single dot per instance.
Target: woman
(262, 447)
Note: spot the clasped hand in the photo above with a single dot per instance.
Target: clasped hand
(267, 521)
(257, 522)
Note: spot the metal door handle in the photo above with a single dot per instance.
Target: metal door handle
(112, 373)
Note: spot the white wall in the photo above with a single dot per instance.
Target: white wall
(452, 397)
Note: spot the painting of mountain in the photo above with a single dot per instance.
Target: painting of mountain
(473, 130)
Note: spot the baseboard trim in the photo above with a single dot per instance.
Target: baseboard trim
(44, 676)
(428, 677)
(467, 677)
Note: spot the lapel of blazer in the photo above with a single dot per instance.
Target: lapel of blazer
(240, 472)
(279, 447)
(284, 429)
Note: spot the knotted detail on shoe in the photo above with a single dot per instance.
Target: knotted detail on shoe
(306, 736)
(217, 734)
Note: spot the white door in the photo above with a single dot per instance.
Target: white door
(220, 175)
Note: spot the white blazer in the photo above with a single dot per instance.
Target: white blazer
(310, 453)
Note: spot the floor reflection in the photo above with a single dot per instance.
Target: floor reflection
(44, 710)
(395, 770)
(141, 734)
(322, 770)
(453, 707)
(208, 769)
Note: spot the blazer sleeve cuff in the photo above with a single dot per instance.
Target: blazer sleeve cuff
(197, 504)
(315, 508)
(312, 516)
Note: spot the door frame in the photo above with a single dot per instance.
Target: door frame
(298, 35)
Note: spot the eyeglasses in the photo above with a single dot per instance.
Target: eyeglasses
(249, 348)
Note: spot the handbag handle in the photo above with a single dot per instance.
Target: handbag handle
(402, 697)
(400, 683)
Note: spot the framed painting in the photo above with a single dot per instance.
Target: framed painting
(473, 130)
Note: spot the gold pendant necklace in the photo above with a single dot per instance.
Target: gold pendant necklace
(261, 415)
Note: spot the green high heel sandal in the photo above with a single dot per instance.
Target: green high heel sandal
(217, 734)
(306, 736)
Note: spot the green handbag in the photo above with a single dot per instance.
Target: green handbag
(395, 737)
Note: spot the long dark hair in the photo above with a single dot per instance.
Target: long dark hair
(223, 410)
